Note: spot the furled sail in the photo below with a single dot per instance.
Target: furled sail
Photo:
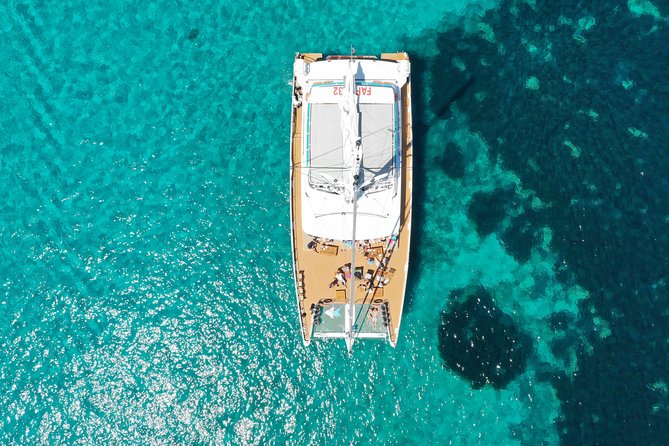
(350, 126)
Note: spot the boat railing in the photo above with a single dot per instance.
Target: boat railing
(342, 57)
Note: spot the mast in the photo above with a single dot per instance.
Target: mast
(352, 147)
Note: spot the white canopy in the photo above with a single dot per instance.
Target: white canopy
(351, 128)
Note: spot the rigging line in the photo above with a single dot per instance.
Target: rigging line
(297, 166)
(368, 295)
(340, 148)
(352, 299)
(334, 150)
(336, 168)
(365, 167)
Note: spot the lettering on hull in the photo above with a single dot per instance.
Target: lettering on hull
(362, 91)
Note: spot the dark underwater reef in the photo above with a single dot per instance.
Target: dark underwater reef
(595, 147)
(488, 209)
(480, 342)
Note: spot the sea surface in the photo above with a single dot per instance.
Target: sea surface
(146, 293)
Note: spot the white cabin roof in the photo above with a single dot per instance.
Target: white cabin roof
(329, 216)
(325, 211)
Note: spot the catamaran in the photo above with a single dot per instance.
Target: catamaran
(351, 186)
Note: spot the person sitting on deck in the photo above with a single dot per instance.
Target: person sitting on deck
(367, 280)
(380, 264)
(386, 276)
(313, 245)
(297, 97)
(339, 277)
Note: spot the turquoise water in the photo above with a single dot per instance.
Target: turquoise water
(146, 285)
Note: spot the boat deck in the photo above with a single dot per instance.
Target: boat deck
(316, 268)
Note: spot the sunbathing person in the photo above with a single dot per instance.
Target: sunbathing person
(339, 277)
(367, 280)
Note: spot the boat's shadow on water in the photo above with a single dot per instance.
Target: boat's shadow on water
(420, 129)
(581, 121)
(427, 112)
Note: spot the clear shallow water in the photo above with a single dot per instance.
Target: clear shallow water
(145, 268)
